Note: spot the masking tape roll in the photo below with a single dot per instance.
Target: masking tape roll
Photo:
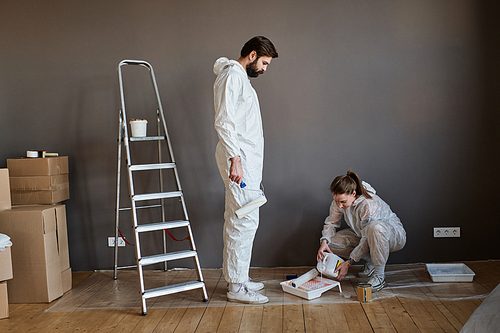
(32, 153)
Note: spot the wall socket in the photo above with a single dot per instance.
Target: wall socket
(447, 232)
(111, 241)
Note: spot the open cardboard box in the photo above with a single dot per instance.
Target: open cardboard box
(40, 255)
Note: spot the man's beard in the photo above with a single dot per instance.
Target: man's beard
(252, 69)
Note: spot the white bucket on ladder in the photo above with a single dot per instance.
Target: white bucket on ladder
(138, 127)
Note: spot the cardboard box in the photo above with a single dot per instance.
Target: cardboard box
(40, 238)
(5, 202)
(4, 301)
(5, 264)
(66, 280)
(38, 166)
(38, 180)
(39, 189)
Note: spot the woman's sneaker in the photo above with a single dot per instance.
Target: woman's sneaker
(246, 295)
(377, 282)
(255, 286)
(367, 270)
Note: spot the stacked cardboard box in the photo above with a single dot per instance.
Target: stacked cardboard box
(5, 255)
(38, 180)
(36, 224)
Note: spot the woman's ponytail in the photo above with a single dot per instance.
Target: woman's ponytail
(347, 184)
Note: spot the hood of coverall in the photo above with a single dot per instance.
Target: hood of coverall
(221, 63)
(368, 187)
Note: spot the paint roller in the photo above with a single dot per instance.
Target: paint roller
(252, 205)
(304, 278)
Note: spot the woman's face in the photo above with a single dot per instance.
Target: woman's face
(344, 201)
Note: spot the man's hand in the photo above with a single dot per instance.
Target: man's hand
(342, 270)
(321, 252)
(236, 170)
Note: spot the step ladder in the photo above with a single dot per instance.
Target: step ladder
(157, 200)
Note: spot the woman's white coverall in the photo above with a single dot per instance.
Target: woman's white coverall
(374, 229)
(238, 124)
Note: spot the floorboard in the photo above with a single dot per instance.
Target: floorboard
(411, 302)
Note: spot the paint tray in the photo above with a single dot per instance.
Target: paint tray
(309, 285)
(450, 272)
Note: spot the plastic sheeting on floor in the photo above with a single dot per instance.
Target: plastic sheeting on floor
(99, 291)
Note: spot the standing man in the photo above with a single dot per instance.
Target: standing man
(240, 157)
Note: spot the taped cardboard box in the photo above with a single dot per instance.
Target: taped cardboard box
(5, 202)
(5, 264)
(38, 166)
(40, 248)
(39, 189)
(39, 180)
(4, 301)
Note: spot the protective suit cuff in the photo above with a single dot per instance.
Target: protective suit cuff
(324, 238)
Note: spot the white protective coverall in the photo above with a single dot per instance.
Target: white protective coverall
(238, 124)
(374, 229)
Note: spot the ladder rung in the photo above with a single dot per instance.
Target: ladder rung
(161, 195)
(146, 138)
(139, 207)
(174, 288)
(157, 258)
(162, 225)
(153, 166)
(126, 267)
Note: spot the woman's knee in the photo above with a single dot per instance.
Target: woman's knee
(376, 227)
(343, 242)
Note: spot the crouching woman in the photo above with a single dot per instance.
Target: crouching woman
(374, 230)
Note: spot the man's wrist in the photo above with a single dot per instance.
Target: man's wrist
(350, 261)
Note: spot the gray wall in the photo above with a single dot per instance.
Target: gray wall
(402, 92)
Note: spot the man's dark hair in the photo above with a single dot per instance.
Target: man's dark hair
(260, 44)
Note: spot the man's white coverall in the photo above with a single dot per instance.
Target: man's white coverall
(238, 124)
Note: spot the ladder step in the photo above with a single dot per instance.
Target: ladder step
(139, 207)
(161, 195)
(152, 166)
(162, 225)
(174, 288)
(157, 258)
(146, 138)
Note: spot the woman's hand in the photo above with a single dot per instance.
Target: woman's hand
(342, 270)
(321, 252)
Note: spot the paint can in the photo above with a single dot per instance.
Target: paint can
(364, 292)
(138, 127)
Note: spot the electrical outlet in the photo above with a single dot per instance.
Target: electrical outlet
(447, 232)
(111, 241)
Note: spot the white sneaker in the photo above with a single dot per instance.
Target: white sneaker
(246, 295)
(255, 286)
(377, 282)
(367, 270)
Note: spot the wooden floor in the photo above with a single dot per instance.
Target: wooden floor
(410, 303)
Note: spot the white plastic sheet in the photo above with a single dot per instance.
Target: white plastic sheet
(4, 242)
